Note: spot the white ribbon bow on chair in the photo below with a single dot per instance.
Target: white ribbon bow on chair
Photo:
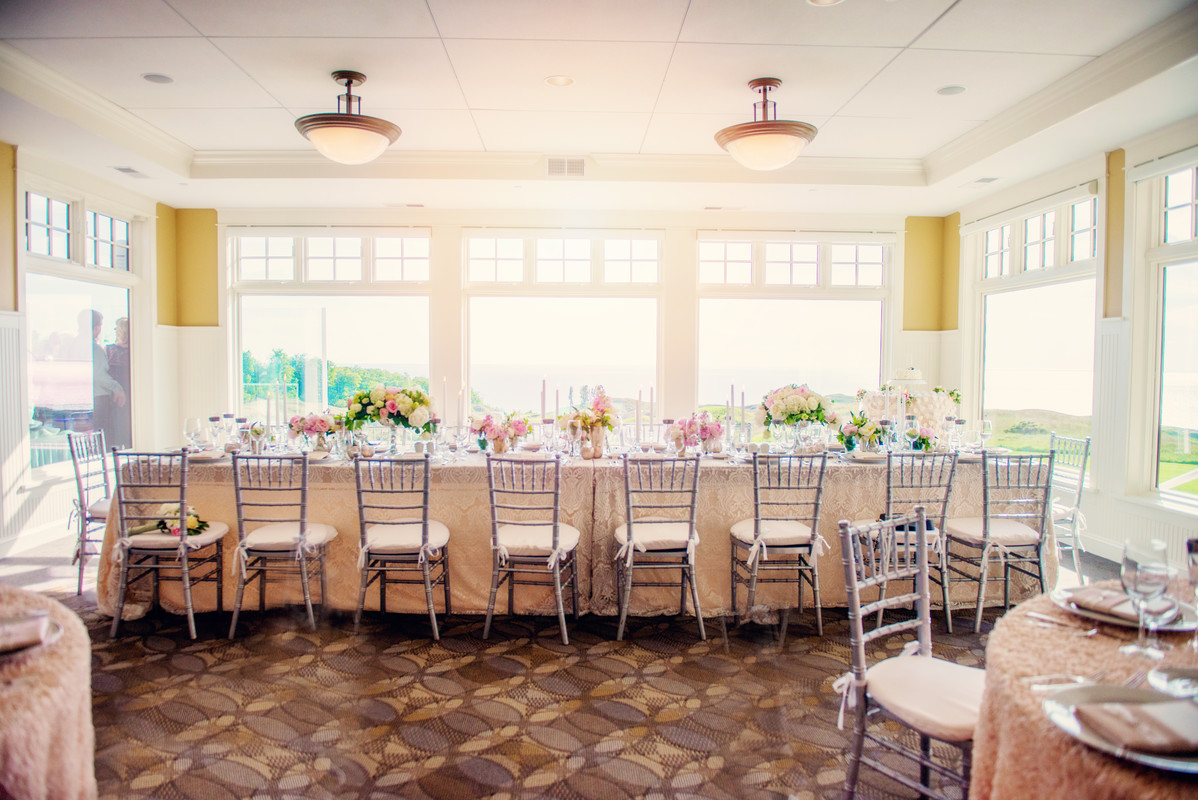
(846, 683)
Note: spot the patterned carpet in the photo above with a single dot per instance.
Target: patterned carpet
(284, 712)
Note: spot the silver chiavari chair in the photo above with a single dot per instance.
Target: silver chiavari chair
(782, 538)
(1013, 527)
(272, 496)
(938, 700)
(145, 483)
(530, 544)
(93, 498)
(1068, 482)
(660, 495)
(399, 543)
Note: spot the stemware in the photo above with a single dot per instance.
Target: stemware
(1145, 576)
(193, 431)
(985, 430)
(1192, 574)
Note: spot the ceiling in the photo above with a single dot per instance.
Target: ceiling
(1047, 82)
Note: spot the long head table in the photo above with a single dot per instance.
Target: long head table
(592, 501)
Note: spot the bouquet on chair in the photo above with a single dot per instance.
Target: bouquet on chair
(170, 521)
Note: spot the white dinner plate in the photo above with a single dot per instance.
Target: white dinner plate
(859, 456)
(1187, 620)
(207, 455)
(53, 634)
(1060, 709)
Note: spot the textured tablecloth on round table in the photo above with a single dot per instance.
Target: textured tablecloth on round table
(47, 743)
(1019, 754)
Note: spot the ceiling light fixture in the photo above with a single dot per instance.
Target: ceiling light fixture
(767, 142)
(348, 137)
(157, 77)
(950, 90)
(825, 2)
(559, 80)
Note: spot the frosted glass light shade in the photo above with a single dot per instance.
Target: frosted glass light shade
(348, 138)
(767, 145)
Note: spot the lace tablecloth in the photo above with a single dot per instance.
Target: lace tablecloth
(47, 743)
(592, 501)
(1018, 753)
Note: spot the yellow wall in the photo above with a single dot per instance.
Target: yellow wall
(8, 227)
(168, 266)
(922, 269)
(1116, 184)
(196, 262)
(950, 286)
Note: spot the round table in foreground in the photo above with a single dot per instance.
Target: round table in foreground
(1018, 753)
(47, 743)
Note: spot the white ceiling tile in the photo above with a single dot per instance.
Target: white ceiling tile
(408, 73)
(112, 68)
(815, 80)
(1078, 27)
(861, 137)
(687, 134)
(609, 76)
(423, 129)
(73, 18)
(992, 81)
(561, 133)
(397, 18)
(578, 20)
(228, 128)
(859, 23)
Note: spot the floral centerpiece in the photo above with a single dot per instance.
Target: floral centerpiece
(311, 425)
(790, 405)
(953, 394)
(695, 430)
(410, 407)
(500, 433)
(859, 429)
(170, 521)
(593, 421)
(921, 438)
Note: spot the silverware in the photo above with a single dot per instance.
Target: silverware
(1073, 630)
(1136, 678)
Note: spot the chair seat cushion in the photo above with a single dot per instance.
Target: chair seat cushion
(536, 540)
(399, 538)
(1007, 532)
(939, 698)
(166, 541)
(285, 536)
(656, 533)
(774, 532)
(99, 509)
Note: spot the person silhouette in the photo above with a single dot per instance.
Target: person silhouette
(107, 393)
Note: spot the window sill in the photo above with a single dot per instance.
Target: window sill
(1171, 503)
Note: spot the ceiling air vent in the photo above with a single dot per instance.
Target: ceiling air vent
(132, 173)
(985, 180)
(567, 167)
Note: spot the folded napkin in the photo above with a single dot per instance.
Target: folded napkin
(1167, 727)
(1105, 601)
(19, 632)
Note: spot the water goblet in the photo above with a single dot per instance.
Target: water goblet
(1144, 573)
(193, 431)
(1159, 611)
(985, 430)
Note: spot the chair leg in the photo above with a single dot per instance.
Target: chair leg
(945, 577)
(445, 578)
(120, 596)
(81, 554)
(1040, 565)
(494, 592)
(853, 770)
(237, 602)
(323, 584)
(220, 576)
(785, 625)
(428, 597)
(690, 571)
(732, 575)
(364, 584)
(625, 590)
(557, 596)
(983, 566)
(819, 608)
(261, 587)
(511, 593)
(382, 591)
(925, 750)
(752, 588)
(185, 574)
(307, 591)
(881, 596)
(574, 586)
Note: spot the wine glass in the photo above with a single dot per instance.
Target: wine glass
(1145, 576)
(193, 431)
(985, 430)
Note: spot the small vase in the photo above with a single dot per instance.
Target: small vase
(850, 444)
(598, 440)
(321, 446)
(499, 446)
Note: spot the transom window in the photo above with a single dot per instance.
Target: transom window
(334, 258)
(575, 258)
(792, 263)
(725, 262)
(1181, 196)
(857, 264)
(47, 226)
(768, 259)
(1083, 230)
(998, 252)
(325, 259)
(401, 258)
(564, 260)
(630, 260)
(492, 260)
(107, 241)
(1038, 241)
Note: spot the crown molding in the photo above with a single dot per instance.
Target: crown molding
(1153, 52)
(41, 86)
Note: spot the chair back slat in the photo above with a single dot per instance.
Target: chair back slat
(145, 482)
(660, 491)
(920, 479)
(897, 556)
(524, 491)
(271, 488)
(392, 490)
(789, 487)
(90, 461)
(1071, 457)
(1016, 487)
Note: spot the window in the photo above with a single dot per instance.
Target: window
(107, 241)
(265, 258)
(998, 252)
(1038, 356)
(1038, 241)
(1177, 434)
(792, 263)
(518, 342)
(47, 226)
(79, 366)
(334, 258)
(725, 262)
(630, 260)
(499, 260)
(857, 264)
(563, 260)
(401, 258)
(308, 353)
(760, 344)
(1180, 200)
(1083, 230)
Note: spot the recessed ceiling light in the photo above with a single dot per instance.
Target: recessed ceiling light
(985, 180)
(947, 90)
(825, 2)
(157, 77)
(559, 80)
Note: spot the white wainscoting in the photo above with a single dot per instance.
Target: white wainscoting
(203, 378)
(14, 432)
(1108, 455)
(919, 349)
(1113, 520)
